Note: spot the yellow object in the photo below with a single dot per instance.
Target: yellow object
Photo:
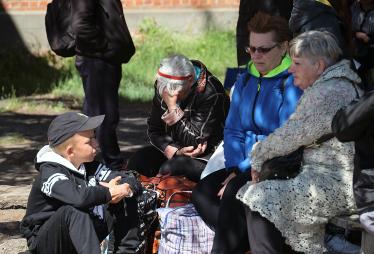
(325, 2)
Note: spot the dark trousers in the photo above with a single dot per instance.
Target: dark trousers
(227, 216)
(149, 161)
(72, 230)
(264, 237)
(367, 63)
(101, 82)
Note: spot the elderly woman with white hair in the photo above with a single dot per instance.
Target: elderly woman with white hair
(294, 211)
(186, 121)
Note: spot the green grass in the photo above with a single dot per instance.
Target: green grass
(50, 74)
(12, 138)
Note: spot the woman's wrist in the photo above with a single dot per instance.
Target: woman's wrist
(172, 107)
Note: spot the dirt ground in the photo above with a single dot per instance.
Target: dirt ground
(16, 159)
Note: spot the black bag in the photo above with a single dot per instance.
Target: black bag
(287, 166)
(360, 49)
(58, 26)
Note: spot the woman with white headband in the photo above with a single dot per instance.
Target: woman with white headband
(186, 121)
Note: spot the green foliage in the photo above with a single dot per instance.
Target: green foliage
(23, 73)
(43, 74)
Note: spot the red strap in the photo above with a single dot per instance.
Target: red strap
(173, 77)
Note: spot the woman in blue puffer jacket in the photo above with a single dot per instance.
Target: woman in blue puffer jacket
(263, 99)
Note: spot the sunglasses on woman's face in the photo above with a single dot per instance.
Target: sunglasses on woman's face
(262, 51)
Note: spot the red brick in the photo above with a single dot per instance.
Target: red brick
(148, 2)
(33, 4)
(167, 2)
(129, 2)
(194, 1)
(138, 2)
(157, 2)
(5, 5)
(176, 2)
(14, 4)
(24, 4)
(43, 3)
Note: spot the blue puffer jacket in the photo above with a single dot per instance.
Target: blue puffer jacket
(257, 110)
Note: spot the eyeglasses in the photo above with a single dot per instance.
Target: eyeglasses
(262, 51)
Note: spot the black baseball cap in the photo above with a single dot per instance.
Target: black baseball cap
(66, 125)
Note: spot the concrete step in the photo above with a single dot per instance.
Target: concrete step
(13, 202)
(14, 197)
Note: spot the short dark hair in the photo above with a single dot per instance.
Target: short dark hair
(264, 23)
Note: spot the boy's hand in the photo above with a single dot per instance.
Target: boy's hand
(118, 192)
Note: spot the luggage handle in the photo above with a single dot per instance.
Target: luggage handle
(167, 204)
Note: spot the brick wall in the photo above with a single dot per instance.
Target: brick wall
(40, 5)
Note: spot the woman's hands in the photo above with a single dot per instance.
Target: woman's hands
(255, 175)
(231, 176)
(363, 36)
(117, 191)
(191, 151)
(171, 101)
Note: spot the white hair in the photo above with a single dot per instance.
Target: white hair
(175, 65)
(316, 45)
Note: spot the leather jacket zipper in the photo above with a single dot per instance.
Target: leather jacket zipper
(254, 105)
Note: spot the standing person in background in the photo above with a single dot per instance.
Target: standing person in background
(247, 9)
(330, 15)
(363, 29)
(104, 43)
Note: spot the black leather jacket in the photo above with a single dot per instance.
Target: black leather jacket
(101, 31)
(205, 111)
(356, 123)
(310, 15)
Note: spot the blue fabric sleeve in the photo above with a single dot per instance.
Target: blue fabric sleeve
(234, 136)
(291, 95)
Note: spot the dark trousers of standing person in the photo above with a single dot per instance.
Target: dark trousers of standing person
(367, 63)
(226, 215)
(264, 237)
(72, 230)
(149, 161)
(101, 83)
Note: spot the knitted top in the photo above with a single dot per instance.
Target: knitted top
(300, 207)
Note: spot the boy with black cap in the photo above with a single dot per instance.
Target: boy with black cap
(68, 210)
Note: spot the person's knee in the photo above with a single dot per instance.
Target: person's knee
(367, 221)
(173, 165)
(232, 188)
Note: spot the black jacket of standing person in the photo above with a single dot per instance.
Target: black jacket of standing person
(310, 15)
(356, 123)
(247, 9)
(101, 31)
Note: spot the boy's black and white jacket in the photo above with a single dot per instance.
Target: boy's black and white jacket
(60, 183)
